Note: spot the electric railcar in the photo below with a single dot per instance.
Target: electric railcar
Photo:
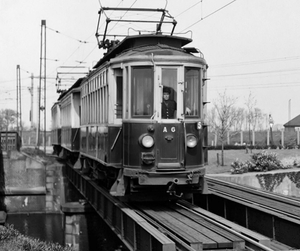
(112, 120)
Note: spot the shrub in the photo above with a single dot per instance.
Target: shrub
(259, 162)
(265, 161)
(297, 161)
(239, 167)
(11, 239)
(290, 162)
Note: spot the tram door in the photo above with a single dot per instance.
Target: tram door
(170, 150)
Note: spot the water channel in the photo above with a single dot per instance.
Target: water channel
(94, 232)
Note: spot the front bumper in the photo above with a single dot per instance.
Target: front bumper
(187, 177)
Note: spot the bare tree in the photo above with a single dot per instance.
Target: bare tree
(211, 117)
(8, 119)
(1, 122)
(258, 119)
(226, 116)
(250, 104)
(240, 119)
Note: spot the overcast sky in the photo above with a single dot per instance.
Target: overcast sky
(251, 46)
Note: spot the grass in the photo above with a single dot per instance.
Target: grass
(285, 155)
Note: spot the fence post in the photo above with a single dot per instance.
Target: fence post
(228, 140)
(216, 138)
(253, 137)
(242, 138)
(268, 137)
(282, 137)
(298, 139)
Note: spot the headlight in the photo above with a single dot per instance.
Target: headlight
(191, 141)
(146, 141)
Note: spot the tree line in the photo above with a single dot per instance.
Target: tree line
(225, 117)
(8, 119)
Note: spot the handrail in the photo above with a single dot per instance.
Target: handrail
(185, 144)
(116, 139)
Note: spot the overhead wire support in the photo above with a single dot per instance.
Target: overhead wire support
(105, 43)
(19, 103)
(42, 77)
(67, 70)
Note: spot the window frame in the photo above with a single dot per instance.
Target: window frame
(133, 94)
(186, 116)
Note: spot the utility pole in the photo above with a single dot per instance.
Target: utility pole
(271, 123)
(42, 76)
(34, 100)
(31, 89)
(19, 103)
(17, 89)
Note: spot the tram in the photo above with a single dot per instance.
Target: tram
(136, 122)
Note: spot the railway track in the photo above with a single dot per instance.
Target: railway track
(193, 228)
(273, 215)
(169, 226)
(165, 226)
(276, 204)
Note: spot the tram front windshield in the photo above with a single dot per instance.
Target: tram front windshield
(168, 98)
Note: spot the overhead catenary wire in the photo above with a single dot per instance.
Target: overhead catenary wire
(123, 15)
(202, 18)
(254, 73)
(82, 42)
(257, 86)
(58, 32)
(189, 9)
(262, 61)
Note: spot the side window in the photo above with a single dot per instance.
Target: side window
(192, 92)
(119, 104)
(142, 92)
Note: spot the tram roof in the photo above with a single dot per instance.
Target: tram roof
(142, 40)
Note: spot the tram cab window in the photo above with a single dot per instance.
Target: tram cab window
(142, 92)
(169, 102)
(192, 92)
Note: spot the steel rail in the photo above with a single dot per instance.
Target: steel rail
(250, 203)
(180, 245)
(192, 208)
(294, 201)
(282, 209)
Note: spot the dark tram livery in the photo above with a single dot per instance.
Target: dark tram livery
(112, 119)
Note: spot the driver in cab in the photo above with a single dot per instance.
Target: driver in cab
(168, 107)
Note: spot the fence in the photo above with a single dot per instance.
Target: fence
(10, 141)
(29, 138)
(281, 138)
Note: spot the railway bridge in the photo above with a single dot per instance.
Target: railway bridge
(230, 217)
(181, 225)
